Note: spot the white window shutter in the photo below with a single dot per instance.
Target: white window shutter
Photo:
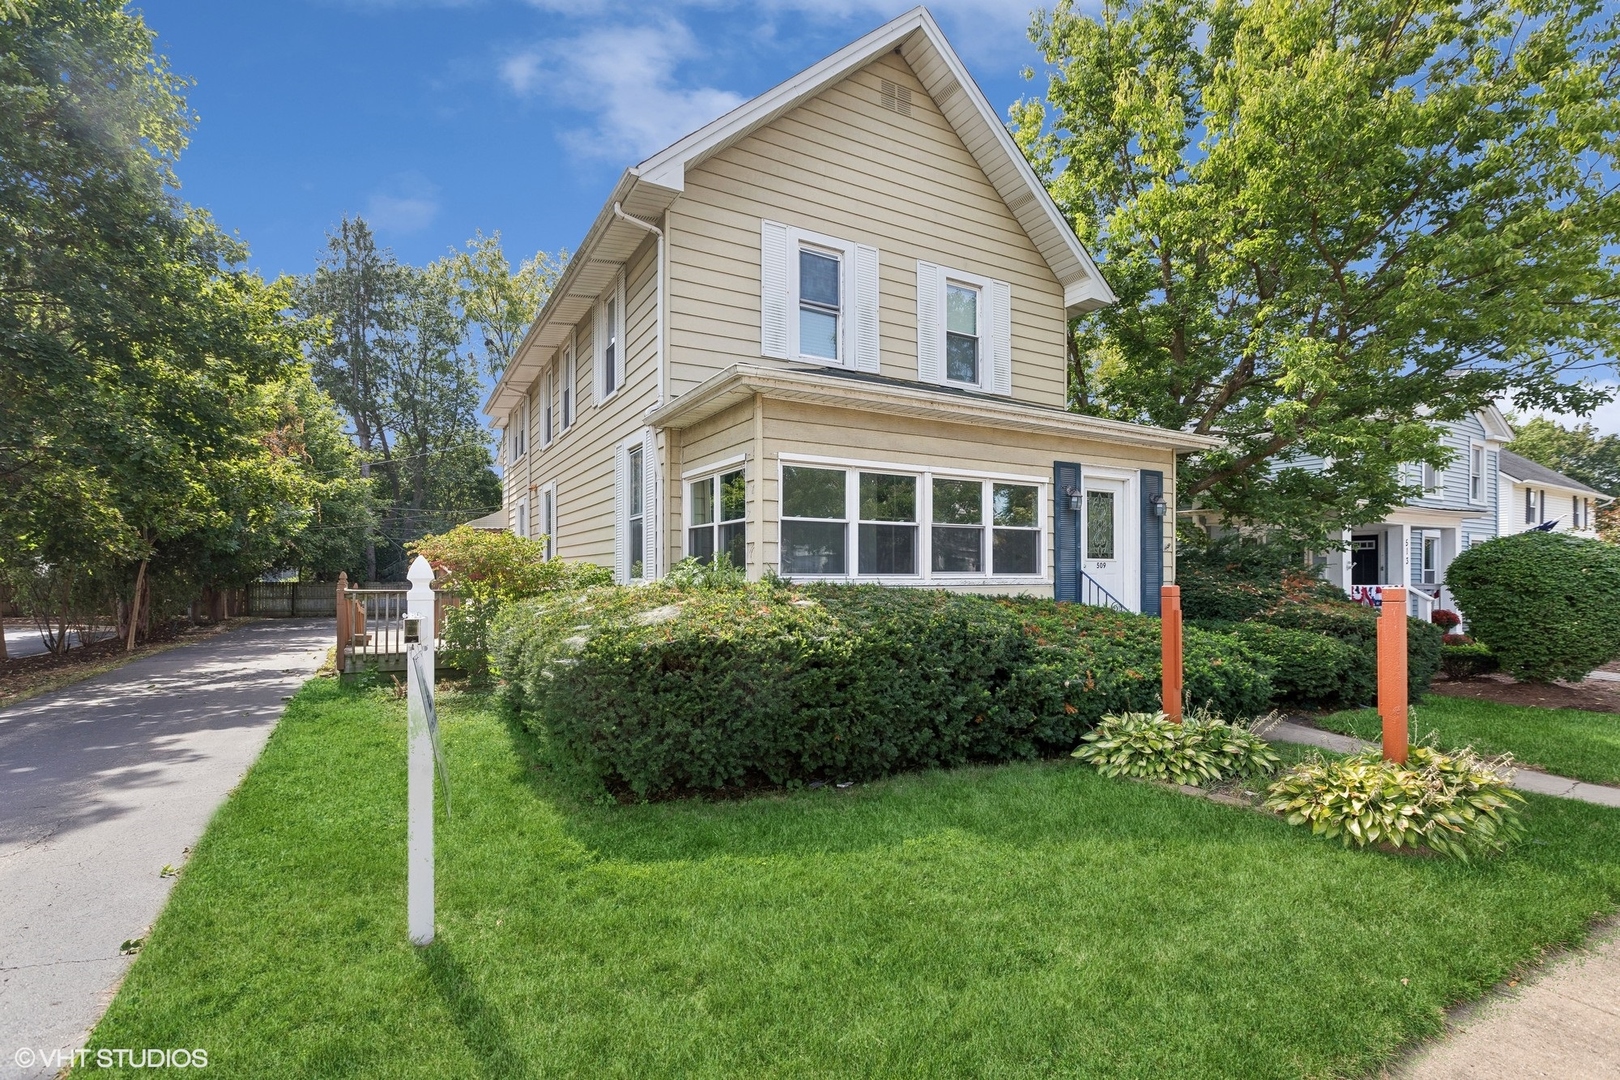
(773, 285)
(930, 323)
(621, 515)
(651, 533)
(865, 319)
(1000, 338)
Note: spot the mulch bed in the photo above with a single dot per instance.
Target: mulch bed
(1592, 695)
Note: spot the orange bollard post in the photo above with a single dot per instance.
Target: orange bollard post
(1170, 649)
(1392, 673)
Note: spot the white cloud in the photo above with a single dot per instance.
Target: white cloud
(409, 204)
(1606, 417)
(627, 79)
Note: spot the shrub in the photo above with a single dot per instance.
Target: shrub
(1547, 604)
(485, 570)
(1357, 626)
(1456, 639)
(1466, 660)
(669, 687)
(1444, 619)
(1306, 667)
(1232, 578)
(1456, 803)
(1151, 746)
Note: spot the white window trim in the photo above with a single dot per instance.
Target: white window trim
(1476, 479)
(925, 475)
(518, 434)
(600, 339)
(520, 517)
(548, 497)
(738, 463)
(798, 239)
(1425, 472)
(568, 391)
(947, 278)
(548, 412)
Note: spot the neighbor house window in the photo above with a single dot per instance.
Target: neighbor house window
(961, 333)
(1476, 473)
(717, 512)
(957, 535)
(1431, 560)
(815, 532)
(1017, 548)
(637, 516)
(1431, 478)
(888, 524)
(820, 303)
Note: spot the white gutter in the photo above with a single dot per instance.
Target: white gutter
(658, 313)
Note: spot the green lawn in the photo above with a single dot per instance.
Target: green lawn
(1015, 921)
(1568, 742)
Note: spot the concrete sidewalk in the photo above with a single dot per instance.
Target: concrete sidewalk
(1524, 779)
(1563, 1024)
(102, 784)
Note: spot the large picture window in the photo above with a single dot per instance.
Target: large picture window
(815, 532)
(717, 512)
(888, 524)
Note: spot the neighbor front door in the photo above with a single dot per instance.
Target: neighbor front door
(1364, 560)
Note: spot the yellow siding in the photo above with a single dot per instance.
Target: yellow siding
(843, 165)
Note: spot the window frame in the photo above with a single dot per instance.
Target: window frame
(1433, 478)
(603, 333)
(568, 390)
(635, 491)
(800, 240)
(1476, 473)
(925, 476)
(548, 431)
(517, 433)
(715, 473)
(1429, 571)
(980, 284)
(548, 509)
(520, 517)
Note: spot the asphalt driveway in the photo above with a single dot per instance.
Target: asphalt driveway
(104, 783)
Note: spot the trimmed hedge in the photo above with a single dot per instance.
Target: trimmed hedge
(663, 688)
(1306, 667)
(1546, 604)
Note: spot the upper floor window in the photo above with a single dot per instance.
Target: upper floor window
(820, 305)
(818, 298)
(1476, 473)
(610, 342)
(546, 433)
(569, 377)
(520, 424)
(964, 329)
(1431, 479)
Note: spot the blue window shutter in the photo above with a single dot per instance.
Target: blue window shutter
(1065, 532)
(1152, 541)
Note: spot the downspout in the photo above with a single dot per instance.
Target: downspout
(658, 313)
(658, 326)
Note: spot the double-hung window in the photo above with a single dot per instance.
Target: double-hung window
(546, 432)
(569, 377)
(1016, 515)
(815, 520)
(717, 512)
(520, 423)
(1431, 479)
(610, 342)
(957, 535)
(637, 520)
(520, 518)
(962, 333)
(821, 311)
(888, 524)
(1476, 473)
(1431, 559)
(1530, 515)
(548, 519)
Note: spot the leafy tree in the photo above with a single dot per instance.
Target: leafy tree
(1580, 453)
(499, 302)
(1331, 223)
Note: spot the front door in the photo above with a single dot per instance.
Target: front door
(1364, 560)
(1102, 535)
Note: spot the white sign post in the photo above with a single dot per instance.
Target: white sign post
(420, 733)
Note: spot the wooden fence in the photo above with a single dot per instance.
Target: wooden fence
(291, 599)
(371, 624)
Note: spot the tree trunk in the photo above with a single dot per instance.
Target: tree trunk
(135, 607)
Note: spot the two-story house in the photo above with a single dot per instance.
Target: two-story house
(824, 335)
(1532, 496)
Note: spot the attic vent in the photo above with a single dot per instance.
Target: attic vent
(896, 98)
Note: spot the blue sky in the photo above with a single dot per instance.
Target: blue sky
(433, 119)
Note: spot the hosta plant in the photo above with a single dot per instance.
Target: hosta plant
(1455, 803)
(1150, 746)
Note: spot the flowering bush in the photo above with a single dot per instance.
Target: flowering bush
(1454, 803)
(1445, 619)
(1151, 746)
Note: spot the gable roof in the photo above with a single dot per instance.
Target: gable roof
(1526, 471)
(651, 187)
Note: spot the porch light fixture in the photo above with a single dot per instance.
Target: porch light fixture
(1160, 507)
(1071, 499)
